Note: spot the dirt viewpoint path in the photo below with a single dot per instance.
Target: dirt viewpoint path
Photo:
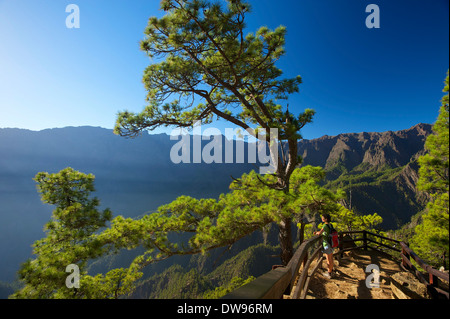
(349, 281)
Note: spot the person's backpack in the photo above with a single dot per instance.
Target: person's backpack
(334, 236)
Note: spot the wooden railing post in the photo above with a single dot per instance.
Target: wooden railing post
(365, 240)
(341, 245)
(280, 281)
(433, 280)
(405, 256)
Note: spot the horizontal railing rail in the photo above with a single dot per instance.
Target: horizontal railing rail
(277, 282)
(366, 240)
(435, 276)
(301, 288)
(288, 280)
(433, 282)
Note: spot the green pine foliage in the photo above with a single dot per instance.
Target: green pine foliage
(348, 220)
(434, 165)
(71, 239)
(79, 233)
(431, 238)
(214, 223)
(210, 69)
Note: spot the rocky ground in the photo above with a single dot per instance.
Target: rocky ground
(349, 280)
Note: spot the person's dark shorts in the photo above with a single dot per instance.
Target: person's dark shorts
(327, 250)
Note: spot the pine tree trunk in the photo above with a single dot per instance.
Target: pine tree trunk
(285, 238)
(302, 232)
(285, 235)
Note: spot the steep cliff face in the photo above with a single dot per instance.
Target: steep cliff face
(378, 171)
(369, 150)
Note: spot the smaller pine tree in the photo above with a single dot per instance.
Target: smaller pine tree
(71, 240)
(431, 239)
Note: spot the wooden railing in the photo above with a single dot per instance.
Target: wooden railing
(433, 282)
(368, 239)
(279, 281)
(286, 280)
(301, 288)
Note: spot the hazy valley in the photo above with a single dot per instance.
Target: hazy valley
(135, 176)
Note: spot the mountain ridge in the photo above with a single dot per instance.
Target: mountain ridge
(362, 147)
(135, 176)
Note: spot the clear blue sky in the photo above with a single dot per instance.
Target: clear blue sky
(357, 79)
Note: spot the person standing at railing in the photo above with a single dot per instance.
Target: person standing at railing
(327, 248)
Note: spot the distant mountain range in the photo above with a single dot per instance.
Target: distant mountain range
(346, 152)
(378, 171)
(135, 176)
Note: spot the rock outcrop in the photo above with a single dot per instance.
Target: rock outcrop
(405, 285)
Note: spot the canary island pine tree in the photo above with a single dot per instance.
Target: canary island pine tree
(71, 240)
(210, 69)
(214, 223)
(431, 239)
